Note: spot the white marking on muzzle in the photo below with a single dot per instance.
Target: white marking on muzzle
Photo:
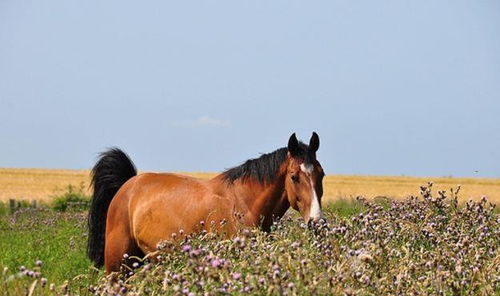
(314, 210)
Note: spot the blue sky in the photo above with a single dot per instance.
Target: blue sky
(391, 87)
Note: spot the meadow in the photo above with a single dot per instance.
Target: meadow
(433, 243)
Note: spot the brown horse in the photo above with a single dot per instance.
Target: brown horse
(131, 213)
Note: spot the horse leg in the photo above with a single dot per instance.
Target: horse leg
(119, 241)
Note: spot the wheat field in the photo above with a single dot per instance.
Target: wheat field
(43, 184)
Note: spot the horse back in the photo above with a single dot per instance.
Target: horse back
(160, 204)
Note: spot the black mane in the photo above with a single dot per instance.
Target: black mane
(264, 168)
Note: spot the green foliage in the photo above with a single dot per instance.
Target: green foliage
(344, 207)
(57, 239)
(20, 204)
(420, 246)
(4, 209)
(73, 199)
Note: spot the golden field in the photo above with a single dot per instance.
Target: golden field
(43, 184)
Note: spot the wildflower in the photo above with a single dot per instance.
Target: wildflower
(195, 253)
(223, 290)
(365, 257)
(236, 276)
(216, 263)
(52, 287)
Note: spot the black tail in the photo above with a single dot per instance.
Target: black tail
(110, 172)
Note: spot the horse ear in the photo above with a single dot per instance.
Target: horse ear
(314, 142)
(293, 145)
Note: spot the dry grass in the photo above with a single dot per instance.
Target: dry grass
(400, 187)
(39, 184)
(43, 184)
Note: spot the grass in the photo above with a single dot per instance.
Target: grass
(53, 234)
(59, 238)
(43, 184)
(417, 246)
(39, 184)
(74, 199)
(422, 242)
(344, 207)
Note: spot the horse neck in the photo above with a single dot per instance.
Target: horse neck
(260, 202)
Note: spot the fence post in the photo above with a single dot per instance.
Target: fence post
(33, 204)
(12, 205)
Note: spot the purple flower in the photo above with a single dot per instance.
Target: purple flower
(216, 263)
(236, 276)
(186, 248)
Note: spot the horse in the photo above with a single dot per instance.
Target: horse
(131, 213)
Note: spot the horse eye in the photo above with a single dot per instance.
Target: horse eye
(295, 178)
